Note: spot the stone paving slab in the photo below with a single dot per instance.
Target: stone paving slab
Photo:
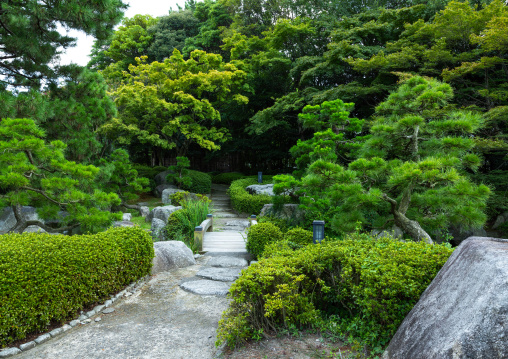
(227, 262)
(206, 287)
(220, 274)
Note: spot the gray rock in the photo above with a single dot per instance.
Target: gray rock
(90, 313)
(164, 212)
(73, 323)
(99, 308)
(160, 178)
(34, 229)
(459, 235)
(206, 287)
(108, 310)
(82, 317)
(123, 224)
(56, 332)
(171, 254)
(144, 211)
(158, 231)
(8, 221)
(394, 232)
(227, 262)
(27, 346)
(168, 192)
(86, 321)
(42, 338)
(220, 274)
(98, 319)
(126, 217)
(157, 192)
(66, 327)
(500, 220)
(108, 303)
(5, 353)
(266, 189)
(463, 312)
(289, 212)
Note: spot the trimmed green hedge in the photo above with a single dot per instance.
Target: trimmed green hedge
(46, 278)
(201, 182)
(364, 287)
(244, 202)
(227, 178)
(260, 235)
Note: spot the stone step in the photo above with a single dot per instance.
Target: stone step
(220, 274)
(227, 262)
(225, 215)
(206, 287)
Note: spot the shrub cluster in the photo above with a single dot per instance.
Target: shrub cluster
(260, 235)
(369, 284)
(149, 172)
(227, 178)
(243, 201)
(201, 182)
(46, 278)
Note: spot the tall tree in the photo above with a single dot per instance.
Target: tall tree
(29, 39)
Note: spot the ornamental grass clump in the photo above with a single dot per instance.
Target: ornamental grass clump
(368, 284)
(47, 278)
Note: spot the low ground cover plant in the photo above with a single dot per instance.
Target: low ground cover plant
(365, 286)
(47, 278)
(244, 202)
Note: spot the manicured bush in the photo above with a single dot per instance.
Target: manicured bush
(260, 235)
(201, 182)
(227, 178)
(47, 278)
(369, 284)
(243, 201)
(299, 236)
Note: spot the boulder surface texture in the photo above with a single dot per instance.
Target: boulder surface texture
(464, 311)
(170, 255)
(261, 189)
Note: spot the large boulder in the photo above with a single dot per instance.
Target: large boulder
(261, 189)
(126, 216)
(144, 211)
(170, 255)
(500, 220)
(157, 228)
(8, 220)
(168, 192)
(162, 212)
(157, 192)
(289, 212)
(463, 313)
(123, 224)
(160, 178)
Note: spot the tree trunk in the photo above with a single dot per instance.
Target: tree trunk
(22, 223)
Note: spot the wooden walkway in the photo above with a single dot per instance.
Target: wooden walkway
(229, 229)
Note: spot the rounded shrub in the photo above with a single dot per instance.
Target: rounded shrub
(260, 235)
(201, 182)
(244, 202)
(46, 278)
(227, 178)
(369, 284)
(299, 236)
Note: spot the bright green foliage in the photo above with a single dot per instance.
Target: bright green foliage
(370, 285)
(131, 40)
(200, 182)
(299, 236)
(260, 235)
(175, 103)
(227, 178)
(120, 177)
(178, 197)
(180, 173)
(33, 171)
(181, 223)
(244, 202)
(48, 278)
(29, 39)
(149, 172)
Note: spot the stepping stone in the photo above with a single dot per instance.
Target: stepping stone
(220, 274)
(206, 287)
(227, 262)
(225, 215)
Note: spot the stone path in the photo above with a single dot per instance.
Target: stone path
(228, 228)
